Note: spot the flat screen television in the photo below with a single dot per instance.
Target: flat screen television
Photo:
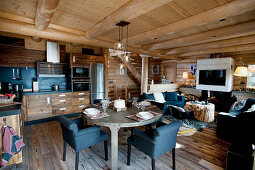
(212, 77)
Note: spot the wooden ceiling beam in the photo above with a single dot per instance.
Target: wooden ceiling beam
(22, 28)
(230, 9)
(44, 12)
(23, 19)
(236, 48)
(130, 10)
(214, 44)
(232, 31)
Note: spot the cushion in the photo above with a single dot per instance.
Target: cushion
(159, 97)
(148, 96)
(171, 96)
(252, 109)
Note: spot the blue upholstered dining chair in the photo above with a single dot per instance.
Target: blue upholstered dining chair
(79, 138)
(156, 143)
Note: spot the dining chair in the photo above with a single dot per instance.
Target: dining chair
(155, 143)
(80, 138)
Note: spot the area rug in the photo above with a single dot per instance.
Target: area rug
(192, 123)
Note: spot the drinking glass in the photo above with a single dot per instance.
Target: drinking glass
(138, 105)
(105, 104)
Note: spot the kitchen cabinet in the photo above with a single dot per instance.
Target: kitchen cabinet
(38, 106)
(61, 103)
(12, 116)
(47, 105)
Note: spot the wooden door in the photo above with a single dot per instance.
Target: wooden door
(170, 72)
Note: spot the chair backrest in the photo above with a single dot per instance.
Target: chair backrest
(69, 129)
(165, 137)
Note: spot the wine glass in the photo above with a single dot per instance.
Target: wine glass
(105, 104)
(143, 107)
(138, 105)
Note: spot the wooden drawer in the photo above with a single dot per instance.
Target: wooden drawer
(61, 95)
(80, 101)
(35, 113)
(78, 108)
(80, 94)
(38, 100)
(61, 110)
(61, 101)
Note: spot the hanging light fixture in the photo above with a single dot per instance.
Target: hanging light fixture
(120, 45)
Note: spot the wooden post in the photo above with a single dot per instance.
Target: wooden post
(144, 78)
(106, 72)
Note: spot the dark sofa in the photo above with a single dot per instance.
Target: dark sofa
(171, 98)
(238, 125)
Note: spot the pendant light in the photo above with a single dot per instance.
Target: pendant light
(120, 45)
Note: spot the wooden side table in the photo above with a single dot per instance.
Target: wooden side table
(202, 112)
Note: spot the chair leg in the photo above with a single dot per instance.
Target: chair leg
(64, 152)
(152, 164)
(106, 150)
(77, 160)
(128, 154)
(173, 158)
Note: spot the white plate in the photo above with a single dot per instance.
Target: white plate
(91, 111)
(145, 115)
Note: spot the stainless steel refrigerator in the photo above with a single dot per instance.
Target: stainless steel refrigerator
(97, 86)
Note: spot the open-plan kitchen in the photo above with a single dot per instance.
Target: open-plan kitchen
(127, 84)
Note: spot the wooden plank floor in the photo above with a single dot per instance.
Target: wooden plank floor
(195, 150)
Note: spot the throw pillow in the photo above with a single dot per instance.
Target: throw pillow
(148, 96)
(171, 96)
(159, 97)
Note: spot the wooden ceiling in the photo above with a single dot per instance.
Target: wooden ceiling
(163, 28)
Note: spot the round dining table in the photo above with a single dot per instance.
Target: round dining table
(117, 120)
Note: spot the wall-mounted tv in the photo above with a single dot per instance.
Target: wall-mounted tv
(212, 77)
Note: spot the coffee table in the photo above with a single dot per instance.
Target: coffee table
(202, 112)
(117, 120)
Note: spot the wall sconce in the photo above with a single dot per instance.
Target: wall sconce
(185, 76)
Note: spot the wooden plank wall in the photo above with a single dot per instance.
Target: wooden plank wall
(14, 54)
(183, 66)
(156, 77)
(118, 83)
(240, 59)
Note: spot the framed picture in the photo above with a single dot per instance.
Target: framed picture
(155, 69)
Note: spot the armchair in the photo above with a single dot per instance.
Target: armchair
(79, 138)
(159, 141)
(238, 125)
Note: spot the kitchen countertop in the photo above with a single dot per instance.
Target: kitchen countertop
(10, 109)
(45, 92)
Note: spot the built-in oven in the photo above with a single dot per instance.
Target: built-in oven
(80, 72)
(81, 85)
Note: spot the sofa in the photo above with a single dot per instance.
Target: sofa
(238, 125)
(222, 100)
(171, 98)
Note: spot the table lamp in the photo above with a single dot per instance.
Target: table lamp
(241, 71)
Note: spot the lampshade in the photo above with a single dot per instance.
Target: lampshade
(185, 75)
(241, 71)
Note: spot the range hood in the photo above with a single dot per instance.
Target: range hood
(53, 67)
(53, 55)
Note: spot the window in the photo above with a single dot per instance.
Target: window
(251, 77)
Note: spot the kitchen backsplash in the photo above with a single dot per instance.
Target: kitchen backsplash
(27, 75)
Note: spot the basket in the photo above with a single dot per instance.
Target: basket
(6, 101)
